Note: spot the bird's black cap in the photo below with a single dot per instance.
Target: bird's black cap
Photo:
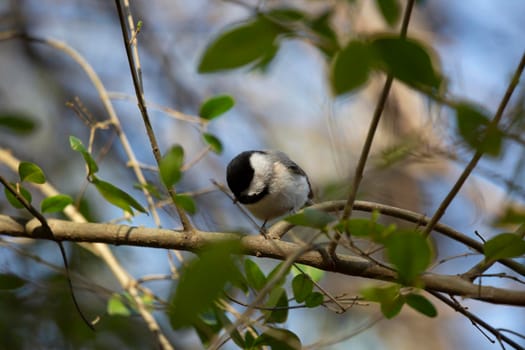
(239, 175)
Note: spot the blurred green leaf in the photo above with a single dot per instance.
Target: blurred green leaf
(225, 322)
(274, 271)
(10, 281)
(254, 275)
(264, 62)
(116, 306)
(321, 26)
(56, 203)
(187, 203)
(389, 297)
(314, 299)
(410, 252)
(279, 301)
(475, 128)
(279, 339)
(311, 218)
(315, 274)
(396, 153)
(408, 60)
(302, 287)
(13, 200)
(216, 106)
(17, 123)
(363, 228)
(31, 172)
(421, 304)
(116, 196)
(391, 11)
(214, 143)
(244, 44)
(202, 282)
(504, 245)
(249, 339)
(170, 166)
(286, 14)
(207, 326)
(76, 145)
(511, 216)
(151, 188)
(351, 67)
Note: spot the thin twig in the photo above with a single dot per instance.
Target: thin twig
(479, 153)
(359, 171)
(49, 232)
(323, 290)
(133, 65)
(476, 321)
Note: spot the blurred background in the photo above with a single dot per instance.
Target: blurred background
(416, 157)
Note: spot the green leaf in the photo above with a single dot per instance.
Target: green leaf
(351, 67)
(475, 128)
(421, 304)
(202, 282)
(363, 228)
(186, 202)
(315, 274)
(56, 203)
(410, 252)
(207, 326)
(76, 145)
(151, 188)
(116, 306)
(408, 60)
(170, 166)
(504, 245)
(311, 218)
(321, 25)
(31, 172)
(13, 200)
(274, 271)
(10, 281)
(278, 300)
(249, 340)
(302, 287)
(244, 44)
(116, 196)
(216, 106)
(254, 275)
(17, 123)
(286, 14)
(214, 143)
(279, 339)
(314, 299)
(391, 11)
(389, 297)
(511, 215)
(225, 322)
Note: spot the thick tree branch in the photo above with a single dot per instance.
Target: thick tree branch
(252, 245)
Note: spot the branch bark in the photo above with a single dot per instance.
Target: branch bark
(252, 245)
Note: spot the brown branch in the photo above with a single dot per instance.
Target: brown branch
(280, 228)
(252, 245)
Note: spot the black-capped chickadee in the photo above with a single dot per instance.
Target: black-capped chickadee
(268, 183)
